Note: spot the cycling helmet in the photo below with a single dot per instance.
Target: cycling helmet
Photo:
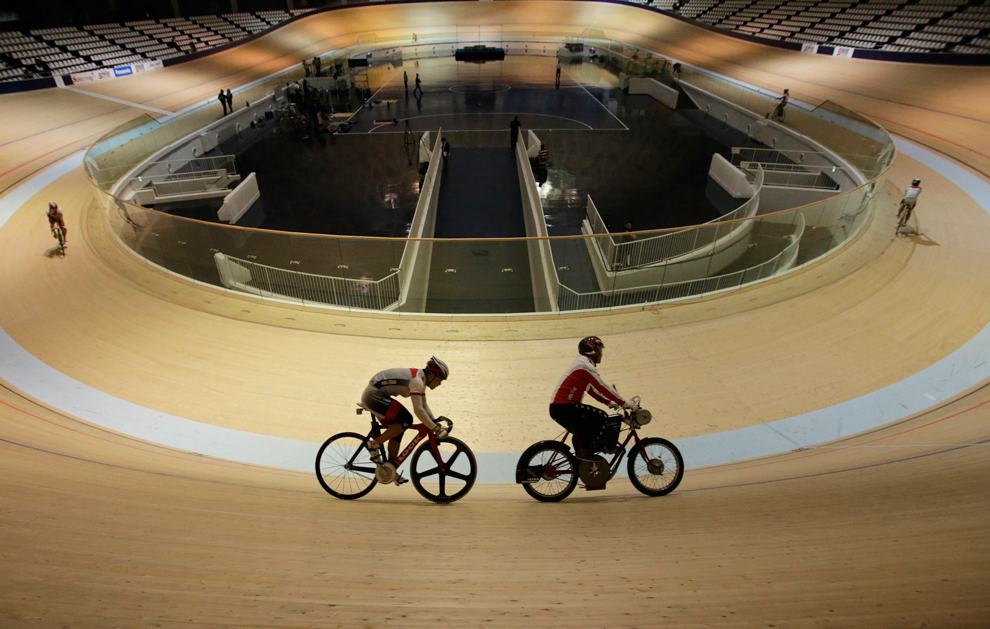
(438, 368)
(916, 182)
(52, 205)
(591, 346)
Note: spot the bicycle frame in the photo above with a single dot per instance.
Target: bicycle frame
(424, 433)
(613, 465)
(58, 232)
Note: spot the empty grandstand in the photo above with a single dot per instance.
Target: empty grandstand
(915, 26)
(66, 50)
(953, 26)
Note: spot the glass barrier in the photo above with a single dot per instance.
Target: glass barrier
(855, 138)
(488, 276)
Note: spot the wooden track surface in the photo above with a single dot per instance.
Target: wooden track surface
(885, 529)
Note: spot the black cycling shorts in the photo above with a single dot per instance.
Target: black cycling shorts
(387, 409)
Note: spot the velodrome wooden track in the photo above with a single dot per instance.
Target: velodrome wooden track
(888, 528)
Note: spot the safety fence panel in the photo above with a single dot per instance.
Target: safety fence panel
(260, 279)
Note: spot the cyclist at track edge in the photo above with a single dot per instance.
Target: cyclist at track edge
(411, 383)
(908, 203)
(55, 217)
(584, 421)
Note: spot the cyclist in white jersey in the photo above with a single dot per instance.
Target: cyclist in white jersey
(908, 203)
(379, 396)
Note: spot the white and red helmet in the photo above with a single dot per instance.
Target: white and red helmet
(592, 347)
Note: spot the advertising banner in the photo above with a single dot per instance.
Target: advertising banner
(119, 71)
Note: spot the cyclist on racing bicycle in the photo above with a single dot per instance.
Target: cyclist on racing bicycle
(411, 383)
(584, 421)
(908, 203)
(778, 111)
(55, 218)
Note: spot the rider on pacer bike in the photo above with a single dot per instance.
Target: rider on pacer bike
(412, 383)
(586, 422)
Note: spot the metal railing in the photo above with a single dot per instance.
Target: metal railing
(568, 299)
(107, 177)
(190, 183)
(186, 247)
(774, 156)
(265, 280)
(636, 251)
(782, 176)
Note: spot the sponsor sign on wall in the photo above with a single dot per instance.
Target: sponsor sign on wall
(812, 48)
(110, 73)
(843, 51)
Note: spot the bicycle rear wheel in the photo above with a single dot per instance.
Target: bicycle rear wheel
(457, 477)
(344, 466)
(655, 469)
(556, 468)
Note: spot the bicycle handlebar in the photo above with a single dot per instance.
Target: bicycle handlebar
(446, 420)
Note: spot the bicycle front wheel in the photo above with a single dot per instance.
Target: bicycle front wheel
(344, 466)
(655, 467)
(456, 478)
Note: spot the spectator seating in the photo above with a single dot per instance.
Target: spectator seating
(933, 26)
(69, 49)
(956, 26)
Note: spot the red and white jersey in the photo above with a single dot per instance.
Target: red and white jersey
(582, 376)
(912, 192)
(55, 215)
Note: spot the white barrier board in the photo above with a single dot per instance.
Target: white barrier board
(239, 200)
(730, 178)
(115, 73)
(654, 88)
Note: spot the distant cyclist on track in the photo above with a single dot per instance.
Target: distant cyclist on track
(411, 383)
(911, 194)
(778, 111)
(55, 217)
(586, 422)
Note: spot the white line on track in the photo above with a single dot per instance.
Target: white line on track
(581, 85)
(499, 113)
(375, 94)
(118, 100)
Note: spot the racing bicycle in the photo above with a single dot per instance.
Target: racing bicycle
(58, 232)
(441, 470)
(903, 215)
(549, 472)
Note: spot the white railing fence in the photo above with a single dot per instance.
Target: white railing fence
(568, 299)
(190, 183)
(268, 281)
(636, 251)
(781, 176)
